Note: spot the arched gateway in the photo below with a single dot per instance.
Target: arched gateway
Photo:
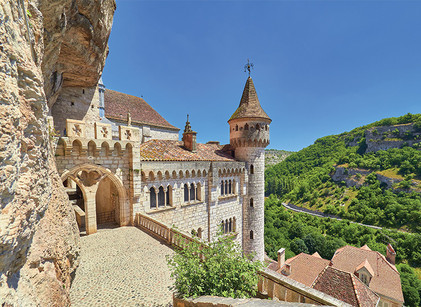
(104, 196)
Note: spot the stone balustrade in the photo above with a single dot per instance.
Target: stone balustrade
(271, 284)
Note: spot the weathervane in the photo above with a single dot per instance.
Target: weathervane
(248, 66)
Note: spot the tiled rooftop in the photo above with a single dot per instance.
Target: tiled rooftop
(386, 278)
(249, 105)
(165, 150)
(305, 268)
(346, 287)
(117, 105)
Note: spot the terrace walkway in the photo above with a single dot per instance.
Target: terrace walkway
(122, 266)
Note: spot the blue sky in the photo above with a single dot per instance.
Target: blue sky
(321, 67)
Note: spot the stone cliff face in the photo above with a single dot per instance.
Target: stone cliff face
(45, 46)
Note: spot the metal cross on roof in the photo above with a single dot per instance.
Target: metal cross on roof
(248, 66)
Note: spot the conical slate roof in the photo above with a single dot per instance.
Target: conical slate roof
(249, 105)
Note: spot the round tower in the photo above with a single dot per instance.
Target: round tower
(249, 135)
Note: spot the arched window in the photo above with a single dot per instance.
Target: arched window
(186, 193)
(222, 226)
(252, 169)
(233, 187)
(251, 202)
(230, 187)
(192, 192)
(168, 201)
(161, 197)
(234, 224)
(222, 187)
(91, 149)
(266, 127)
(226, 226)
(251, 235)
(230, 225)
(226, 186)
(236, 127)
(257, 127)
(152, 196)
(246, 127)
(199, 191)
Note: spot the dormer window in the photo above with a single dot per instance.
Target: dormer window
(364, 278)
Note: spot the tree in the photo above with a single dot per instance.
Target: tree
(218, 268)
(298, 246)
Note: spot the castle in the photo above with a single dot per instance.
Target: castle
(118, 157)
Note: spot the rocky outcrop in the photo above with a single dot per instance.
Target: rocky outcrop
(386, 137)
(44, 46)
(75, 43)
(352, 177)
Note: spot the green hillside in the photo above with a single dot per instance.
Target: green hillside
(371, 174)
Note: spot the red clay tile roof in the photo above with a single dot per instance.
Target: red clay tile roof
(386, 279)
(249, 105)
(345, 286)
(165, 150)
(305, 268)
(117, 105)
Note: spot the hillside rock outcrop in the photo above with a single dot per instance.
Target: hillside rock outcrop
(44, 46)
(386, 137)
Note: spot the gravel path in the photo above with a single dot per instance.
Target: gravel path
(122, 266)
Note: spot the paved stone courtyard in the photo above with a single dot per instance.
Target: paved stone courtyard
(122, 266)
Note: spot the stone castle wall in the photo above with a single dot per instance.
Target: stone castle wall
(208, 211)
(253, 214)
(76, 103)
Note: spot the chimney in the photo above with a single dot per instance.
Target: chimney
(287, 270)
(281, 257)
(189, 137)
(390, 254)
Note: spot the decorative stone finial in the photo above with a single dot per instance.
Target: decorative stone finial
(129, 119)
(187, 128)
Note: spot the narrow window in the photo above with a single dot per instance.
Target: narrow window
(230, 226)
(161, 197)
(222, 187)
(168, 196)
(222, 226)
(230, 187)
(186, 193)
(234, 224)
(251, 203)
(251, 235)
(236, 127)
(152, 196)
(252, 169)
(199, 191)
(246, 127)
(192, 192)
(226, 226)
(226, 186)
(257, 127)
(199, 232)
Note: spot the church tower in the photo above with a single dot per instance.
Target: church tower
(249, 135)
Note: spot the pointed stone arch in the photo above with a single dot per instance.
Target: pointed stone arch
(89, 189)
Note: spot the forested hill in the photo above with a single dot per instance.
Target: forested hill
(371, 174)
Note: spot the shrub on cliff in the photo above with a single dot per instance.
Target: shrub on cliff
(218, 268)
